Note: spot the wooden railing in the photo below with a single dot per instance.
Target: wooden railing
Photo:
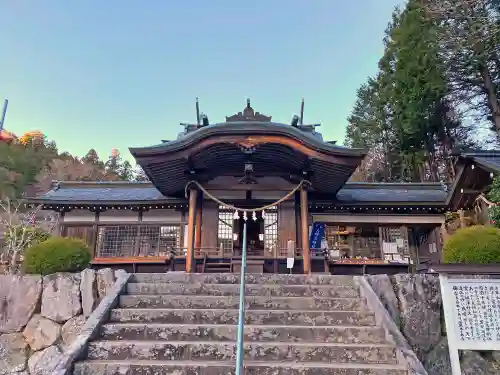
(212, 252)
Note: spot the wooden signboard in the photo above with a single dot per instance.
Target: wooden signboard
(472, 315)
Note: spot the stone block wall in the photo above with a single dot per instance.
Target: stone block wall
(41, 316)
(415, 305)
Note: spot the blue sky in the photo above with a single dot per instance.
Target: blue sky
(113, 74)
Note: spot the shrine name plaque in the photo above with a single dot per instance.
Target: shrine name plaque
(472, 315)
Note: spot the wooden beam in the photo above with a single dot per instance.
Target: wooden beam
(240, 187)
(130, 260)
(304, 215)
(193, 197)
(383, 219)
(471, 191)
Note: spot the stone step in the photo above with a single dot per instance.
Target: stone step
(225, 332)
(230, 316)
(232, 302)
(272, 290)
(255, 351)
(234, 278)
(227, 368)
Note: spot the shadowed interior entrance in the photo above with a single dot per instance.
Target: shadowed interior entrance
(255, 236)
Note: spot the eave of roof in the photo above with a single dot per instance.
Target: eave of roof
(246, 128)
(144, 193)
(474, 171)
(106, 192)
(489, 160)
(393, 193)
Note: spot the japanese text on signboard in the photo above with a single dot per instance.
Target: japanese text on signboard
(477, 312)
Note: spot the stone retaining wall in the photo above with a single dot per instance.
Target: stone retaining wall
(41, 316)
(415, 305)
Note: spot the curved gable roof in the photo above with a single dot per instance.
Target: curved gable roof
(247, 128)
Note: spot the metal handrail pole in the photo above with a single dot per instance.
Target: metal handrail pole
(241, 313)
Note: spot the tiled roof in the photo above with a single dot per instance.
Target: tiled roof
(352, 193)
(248, 128)
(104, 192)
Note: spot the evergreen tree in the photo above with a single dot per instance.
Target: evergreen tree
(92, 157)
(139, 174)
(404, 114)
(114, 163)
(366, 129)
(125, 171)
(469, 32)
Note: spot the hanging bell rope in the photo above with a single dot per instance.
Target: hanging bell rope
(266, 207)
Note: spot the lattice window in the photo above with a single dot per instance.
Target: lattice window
(170, 238)
(151, 240)
(271, 229)
(225, 229)
(116, 241)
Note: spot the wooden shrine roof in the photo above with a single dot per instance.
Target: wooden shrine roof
(362, 193)
(247, 128)
(225, 149)
(143, 193)
(105, 193)
(475, 171)
(488, 160)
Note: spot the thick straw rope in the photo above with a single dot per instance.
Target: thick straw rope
(483, 198)
(266, 207)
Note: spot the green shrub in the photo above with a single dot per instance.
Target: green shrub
(57, 254)
(477, 244)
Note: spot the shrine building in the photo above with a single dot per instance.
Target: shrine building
(205, 183)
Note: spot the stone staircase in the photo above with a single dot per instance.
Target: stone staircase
(182, 324)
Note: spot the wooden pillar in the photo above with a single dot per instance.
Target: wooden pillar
(197, 230)
(461, 214)
(412, 251)
(193, 195)
(443, 238)
(210, 221)
(60, 224)
(304, 230)
(444, 233)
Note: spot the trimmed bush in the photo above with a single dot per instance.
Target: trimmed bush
(57, 254)
(477, 244)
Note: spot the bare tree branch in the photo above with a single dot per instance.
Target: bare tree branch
(19, 228)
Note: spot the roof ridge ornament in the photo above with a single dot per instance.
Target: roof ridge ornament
(248, 114)
(201, 121)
